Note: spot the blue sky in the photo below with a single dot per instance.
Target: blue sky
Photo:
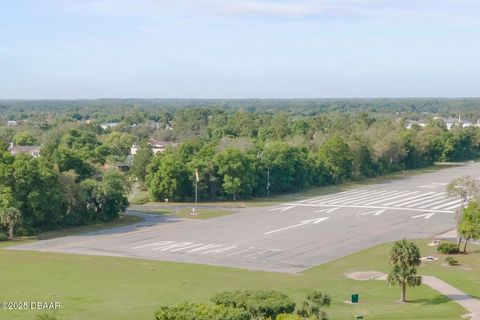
(239, 49)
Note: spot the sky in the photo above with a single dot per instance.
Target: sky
(69, 49)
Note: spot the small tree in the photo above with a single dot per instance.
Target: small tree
(463, 188)
(312, 306)
(469, 226)
(405, 257)
(10, 217)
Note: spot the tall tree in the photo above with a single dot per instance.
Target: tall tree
(9, 215)
(238, 171)
(405, 257)
(336, 158)
(141, 160)
(168, 178)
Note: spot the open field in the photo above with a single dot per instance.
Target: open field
(94, 287)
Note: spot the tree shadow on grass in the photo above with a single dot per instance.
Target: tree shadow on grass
(439, 299)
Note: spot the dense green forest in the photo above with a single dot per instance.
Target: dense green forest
(240, 148)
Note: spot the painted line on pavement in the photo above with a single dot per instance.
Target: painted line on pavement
(370, 207)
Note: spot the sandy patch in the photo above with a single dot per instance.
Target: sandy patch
(366, 275)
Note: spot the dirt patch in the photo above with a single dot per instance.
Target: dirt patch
(366, 275)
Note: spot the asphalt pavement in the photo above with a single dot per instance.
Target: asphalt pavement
(288, 237)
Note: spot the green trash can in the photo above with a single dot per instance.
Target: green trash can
(355, 297)
(358, 317)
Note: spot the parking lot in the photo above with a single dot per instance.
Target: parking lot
(288, 237)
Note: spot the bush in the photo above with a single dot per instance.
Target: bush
(447, 248)
(451, 261)
(286, 316)
(198, 311)
(259, 304)
(3, 236)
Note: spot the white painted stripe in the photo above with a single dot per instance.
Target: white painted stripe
(455, 202)
(419, 200)
(455, 207)
(439, 202)
(428, 204)
(328, 196)
(411, 198)
(219, 250)
(427, 199)
(368, 194)
(391, 198)
(371, 207)
(339, 195)
(425, 216)
(378, 197)
(344, 196)
(369, 197)
(205, 247)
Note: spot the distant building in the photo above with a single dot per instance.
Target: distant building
(108, 125)
(12, 123)
(412, 123)
(34, 151)
(155, 145)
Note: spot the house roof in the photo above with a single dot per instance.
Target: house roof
(24, 149)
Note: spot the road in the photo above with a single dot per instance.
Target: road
(289, 237)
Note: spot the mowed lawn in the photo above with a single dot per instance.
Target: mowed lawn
(93, 287)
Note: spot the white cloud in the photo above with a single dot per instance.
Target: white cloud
(278, 8)
(448, 11)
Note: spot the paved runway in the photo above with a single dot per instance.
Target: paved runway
(290, 237)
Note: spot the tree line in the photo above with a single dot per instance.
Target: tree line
(250, 155)
(58, 189)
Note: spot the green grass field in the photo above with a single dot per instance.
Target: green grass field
(92, 287)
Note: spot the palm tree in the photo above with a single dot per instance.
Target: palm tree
(311, 307)
(405, 257)
(9, 217)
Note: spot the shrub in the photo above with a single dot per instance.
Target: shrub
(451, 261)
(286, 316)
(447, 248)
(199, 311)
(313, 304)
(3, 236)
(259, 304)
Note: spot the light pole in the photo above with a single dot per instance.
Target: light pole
(268, 182)
(197, 178)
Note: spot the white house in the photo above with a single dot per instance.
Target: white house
(34, 151)
(155, 145)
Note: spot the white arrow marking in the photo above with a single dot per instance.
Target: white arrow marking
(282, 209)
(375, 213)
(330, 210)
(426, 215)
(302, 223)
